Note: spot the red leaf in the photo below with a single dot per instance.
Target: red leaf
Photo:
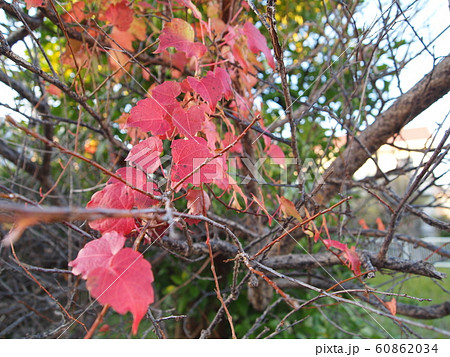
(353, 260)
(228, 139)
(188, 122)
(116, 196)
(131, 175)
(179, 34)
(209, 87)
(54, 90)
(149, 115)
(277, 155)
(125, 284)
(123, 38)
(288, 208)
(35, 3)
(137, 178)
(209, 129)
(190, 5)
(257, 42)
(263, 207)
(224, 78)
(97, 253)
(76, 14)
(177, 59)
(120, 15)
(363, 224)
(104, 328)
(335, 244)
(392, 306)
(198, 202)
(380, 224)
(187, 155)
(167, 93)
(145, 155)
(316, 236)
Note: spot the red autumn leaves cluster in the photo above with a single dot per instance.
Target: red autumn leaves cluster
(116, 276)
(183, 115)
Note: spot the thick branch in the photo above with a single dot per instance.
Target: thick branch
(21, 162)
(24, 92)
(6, 51)
(419, 312)
(32, 22)
(408, 106)
(416, 242)
(301, 261)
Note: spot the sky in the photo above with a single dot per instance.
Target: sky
(432, 19)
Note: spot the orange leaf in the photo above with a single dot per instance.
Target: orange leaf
(35, 3)
(120, 15)
(180, 34)
(391, 306)
(261, 204)
(380, 224)
(363, 224)
(289, 209)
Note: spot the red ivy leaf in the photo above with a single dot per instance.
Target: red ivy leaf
(263, 207)
(123, 38)
(188, 122)
(167, 93)
(149, 115)
(288, 208)
(316, 236)
(363, 224)
(97, 253)
(76, 14)
(35, 3)
(180, 34)
(198, 202)
(145, 155)
(277, 155)
(137, 178)
(120, 15)
(188, 155)
(210, 131)
(353, 260)
(380, 224)
(257, 42)
(392, 306)
(209, 87)
(125, 283)
(131, 175)
(190, 5)
(335, 244)
(224, 78)
(118, 196)
(228, 139)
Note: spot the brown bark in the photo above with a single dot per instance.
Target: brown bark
(408, 106)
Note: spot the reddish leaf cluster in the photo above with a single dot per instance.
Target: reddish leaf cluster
(185, 113)
(118, 195)
(351, 257)
(117, 276)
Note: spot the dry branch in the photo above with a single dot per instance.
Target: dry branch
(408, 106)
